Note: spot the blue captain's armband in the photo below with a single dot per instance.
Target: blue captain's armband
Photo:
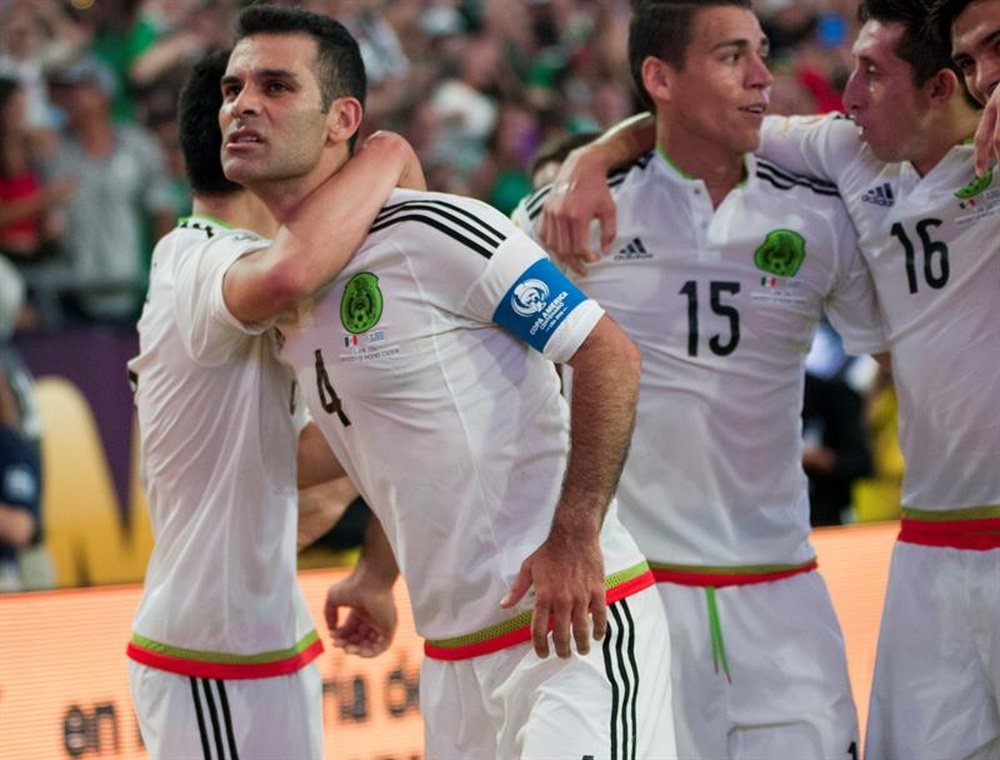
(538, 303)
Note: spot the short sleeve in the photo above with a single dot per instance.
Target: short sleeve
(820, 146)
(209, 330)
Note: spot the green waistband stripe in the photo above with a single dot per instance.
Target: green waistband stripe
(966, 513)
(730, 569)
(224, 657)
(523, 619)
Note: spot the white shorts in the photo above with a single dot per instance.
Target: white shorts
(613, 702)
(191, 718)
(760, 672)
(937, 667)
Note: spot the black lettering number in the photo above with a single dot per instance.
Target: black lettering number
(328, 397)
(716, 291)
(853, 751)
(936, 266)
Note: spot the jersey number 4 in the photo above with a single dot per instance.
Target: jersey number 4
(328, 397)
(936, 267)
(717, 290)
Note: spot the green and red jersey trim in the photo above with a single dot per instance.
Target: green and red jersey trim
(974, 528)
(192, 662)
(733, 575)
(517, 629)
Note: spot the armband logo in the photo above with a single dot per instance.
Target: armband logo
(529, 297)
(361, 304)
(781, 253)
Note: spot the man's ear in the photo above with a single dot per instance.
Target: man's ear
(657, 78)
(942, 86)
(344, 119)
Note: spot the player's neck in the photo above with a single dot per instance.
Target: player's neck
(721, 171)
(283, 197)
(239, 210)
(954, 126)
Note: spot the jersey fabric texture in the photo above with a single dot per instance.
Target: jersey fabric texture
(759, 671)
(215, 719)
(218, 444)
(454, 430)
(723, 304)
(612, 702)
(931, 243)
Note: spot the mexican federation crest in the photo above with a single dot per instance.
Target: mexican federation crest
(361, 304)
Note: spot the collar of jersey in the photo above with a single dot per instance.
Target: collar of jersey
(205, 217)
(676, 172)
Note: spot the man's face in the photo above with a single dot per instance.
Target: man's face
(273, 124)
(975, 46)
(881, 96)
(722, 92)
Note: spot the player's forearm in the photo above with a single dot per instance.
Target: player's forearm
(377, 565)
(605, 385)
(316, 463)
(320, 236)
(622, 143)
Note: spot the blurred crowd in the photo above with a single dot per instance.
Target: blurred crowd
(90, 167)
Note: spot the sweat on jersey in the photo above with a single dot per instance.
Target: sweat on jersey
(933, 246)
(421, 365)
(723, 304)
(218, 448)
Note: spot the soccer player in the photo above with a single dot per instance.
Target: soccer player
(928, 227)
(423, 364)
(222, 642)
(973, 27)
(721, 269)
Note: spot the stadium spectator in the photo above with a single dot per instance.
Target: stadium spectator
(121, 189)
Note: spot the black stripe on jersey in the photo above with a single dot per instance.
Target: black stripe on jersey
(535, 202)
(228, 718)
(785, 180)
(609, 670)
(623, 674)
(634, 668)
(205, 749)
(468, 229)
(213, 714)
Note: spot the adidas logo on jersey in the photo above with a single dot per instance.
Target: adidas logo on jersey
(880, 196)
(634, 251)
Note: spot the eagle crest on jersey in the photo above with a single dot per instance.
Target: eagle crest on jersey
(361, 304)
(781, 253)
(975, 187)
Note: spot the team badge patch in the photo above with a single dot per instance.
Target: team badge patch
(781, 253)
(361, 304)
(975, 187)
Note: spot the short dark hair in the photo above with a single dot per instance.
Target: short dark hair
(198, 125)
(662, 29)
(922, 50)
(942, 15)
(340, 70)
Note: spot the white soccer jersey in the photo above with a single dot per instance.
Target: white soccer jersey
(933, 245)
(218, 464)
(453, 429)
(723, 304)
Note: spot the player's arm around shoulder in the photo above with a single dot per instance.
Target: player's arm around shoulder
(322, 233)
